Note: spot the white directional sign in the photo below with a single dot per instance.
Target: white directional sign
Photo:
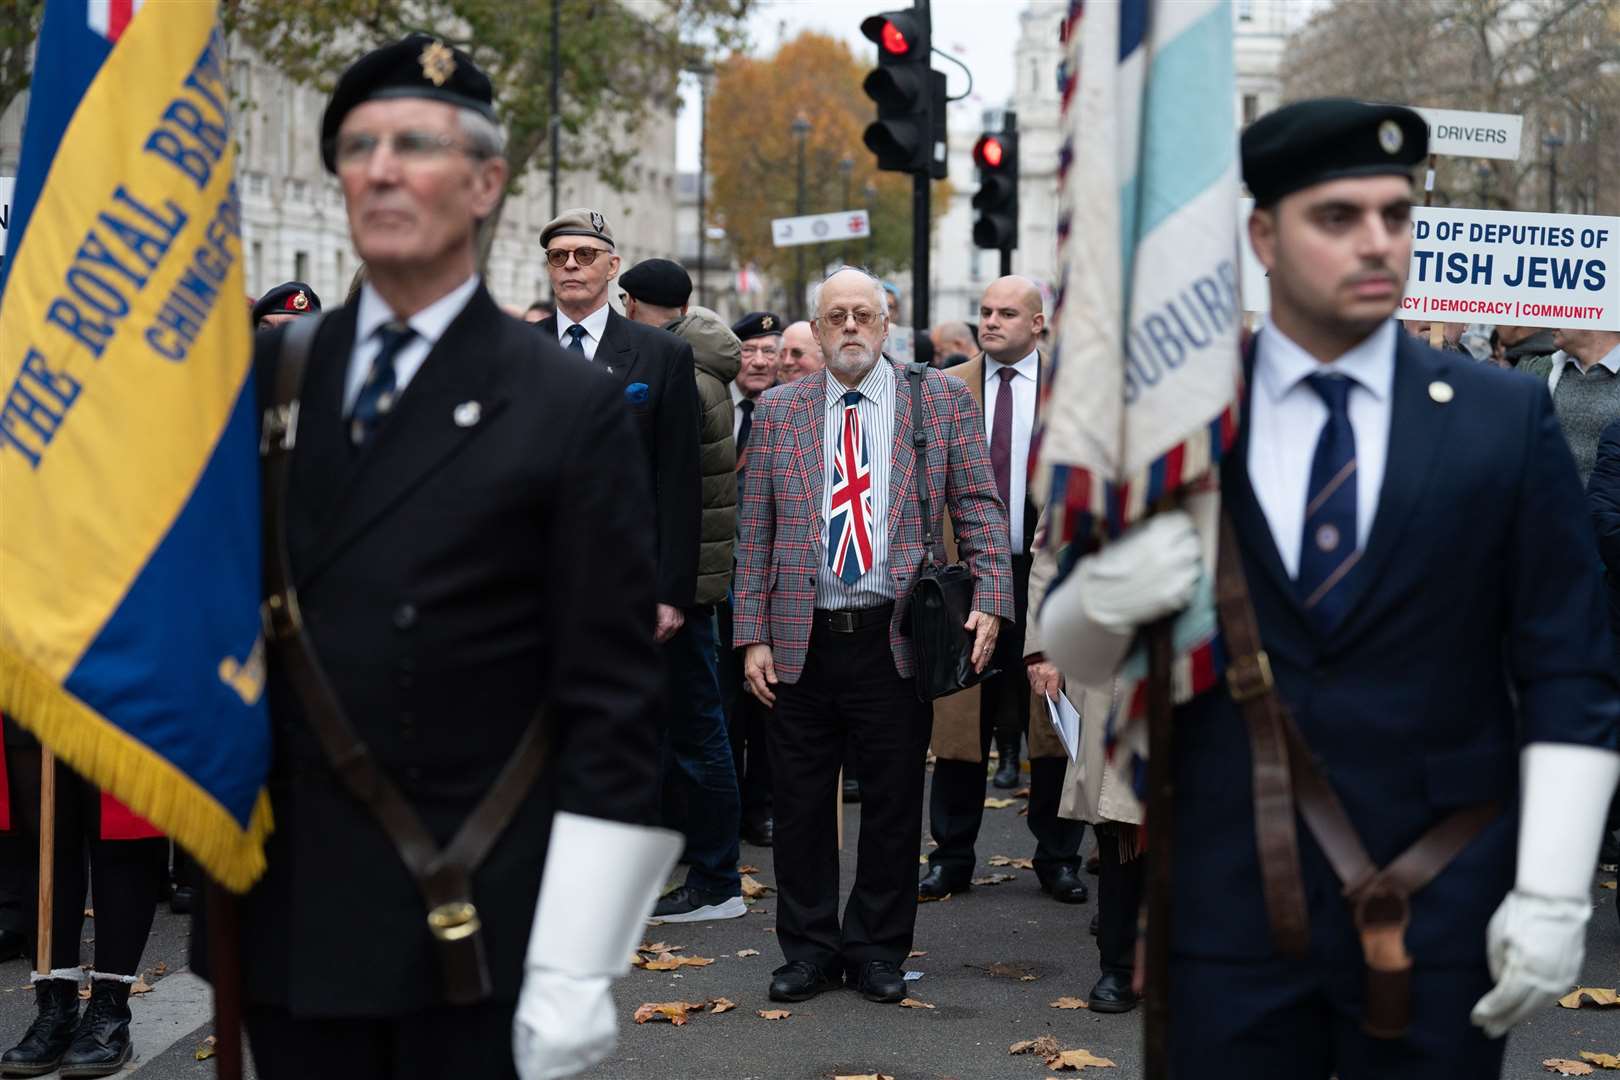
(1473, 134)
(820, 228)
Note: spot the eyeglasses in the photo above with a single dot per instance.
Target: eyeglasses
(835, 319)
(410, 147)
(584, 256)
(759, 350)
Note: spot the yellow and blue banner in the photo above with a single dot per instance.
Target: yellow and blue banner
(129, 490)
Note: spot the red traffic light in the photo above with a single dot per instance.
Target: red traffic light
(894, 33)
(894, 39)
(988, 152)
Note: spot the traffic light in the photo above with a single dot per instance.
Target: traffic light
(910, 95)
(996, 155)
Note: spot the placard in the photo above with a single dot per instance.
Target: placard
(1472, 134)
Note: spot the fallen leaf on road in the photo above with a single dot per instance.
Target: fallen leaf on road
(1597, 995)
(673, 1011)
(743, 953)
(1602, 1061)
(1024, 812)
(140, 986)
(1021, 793)
(205, 1049)
(1607, 884)
(772, 1014)
(1006, 971)
(89, 912)
(161, 970)
(747, 869)
(1021, 864)
(933, 899)
(1565, 1067)
(671, 962)
(922, 860)
(994, 879)
(1045, 1046)
(913, 1003)
(1077, 1060)
(1026, 977)
(1068, 1003)
(659, 947)
(997, 804)
(863, 1076)
(720, 1005)
(915, 953)
(753, 890)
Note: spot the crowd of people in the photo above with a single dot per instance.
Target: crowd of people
(655, 564)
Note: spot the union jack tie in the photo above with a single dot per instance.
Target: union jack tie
(849, 517)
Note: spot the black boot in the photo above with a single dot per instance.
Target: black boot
(101, 1046)
(48, 1036)
(1007, 776)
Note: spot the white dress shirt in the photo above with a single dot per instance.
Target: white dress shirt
(1023, 385)
(1562, 359)
(737, 398)
(876, 410)
(1286, 418)
(594, 324)
(430, 324)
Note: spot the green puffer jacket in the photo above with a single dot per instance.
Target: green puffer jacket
(718, 354)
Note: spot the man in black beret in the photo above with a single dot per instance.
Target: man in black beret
(465, 688)
(284, 303)
(1444, 715)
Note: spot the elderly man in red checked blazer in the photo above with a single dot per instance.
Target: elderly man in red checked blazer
(829, 546)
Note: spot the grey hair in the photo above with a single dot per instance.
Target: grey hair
(484, 136)
(880, 303)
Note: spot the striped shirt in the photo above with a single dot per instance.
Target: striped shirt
(876, 410)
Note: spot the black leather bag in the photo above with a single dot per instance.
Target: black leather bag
(942, 599)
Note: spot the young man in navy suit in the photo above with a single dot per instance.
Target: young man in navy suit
(1395, 508)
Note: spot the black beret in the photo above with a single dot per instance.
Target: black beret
(658, 281)
(292, 298)
(757, 324)
(1309, 142)
(417, 67)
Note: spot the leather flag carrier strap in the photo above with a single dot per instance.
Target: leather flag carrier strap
(443, 877)
(1286, 775)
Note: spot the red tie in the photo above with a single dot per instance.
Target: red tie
(1001, 437)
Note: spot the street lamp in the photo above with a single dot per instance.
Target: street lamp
(1552, 143)
(870, 191)
(702, 71)
(847, 167)
(801, 129)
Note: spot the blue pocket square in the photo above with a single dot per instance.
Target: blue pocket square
(636, 393)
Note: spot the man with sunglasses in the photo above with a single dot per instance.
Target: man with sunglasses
(654, 368)
(464, 649)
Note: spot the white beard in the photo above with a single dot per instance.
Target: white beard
(851, 365)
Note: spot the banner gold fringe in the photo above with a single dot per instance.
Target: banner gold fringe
(135, 775)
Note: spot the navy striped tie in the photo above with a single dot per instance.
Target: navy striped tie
(1328, 553)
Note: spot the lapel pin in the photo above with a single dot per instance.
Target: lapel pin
(468, 413)
(1441, 392)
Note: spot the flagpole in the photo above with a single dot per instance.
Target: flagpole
(47, 859)
(225, 967)
(1156, 1021)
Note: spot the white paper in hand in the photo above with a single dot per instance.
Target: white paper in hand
(1066, 722)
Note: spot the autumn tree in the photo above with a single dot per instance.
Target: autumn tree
(19, 26)
(1556, 62)
(753, 156)
(621, 60)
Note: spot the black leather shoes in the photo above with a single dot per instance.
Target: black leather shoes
(183, 900)
(800, 981)
(1007, 777)
(759, 830)
(939, 883)
(1066, 886)
(880, 981)
(1094, 919)
(1112, 994)
(48, 1037)
(852, 790)
(13, 945)
(101, 1045)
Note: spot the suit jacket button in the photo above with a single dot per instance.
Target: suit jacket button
(405, 616)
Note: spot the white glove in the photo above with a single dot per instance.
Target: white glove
(582, 940)
(1537, 939)
(1087, 623)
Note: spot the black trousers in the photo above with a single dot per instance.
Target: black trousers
(128, 875)
(471, 1041)
(745, 723)
(849, 688)
(1119, 899)
(956, 800)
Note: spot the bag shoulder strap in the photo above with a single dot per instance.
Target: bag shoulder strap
(443, 877)
(915, 372)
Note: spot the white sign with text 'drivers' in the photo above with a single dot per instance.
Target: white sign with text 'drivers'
(1472, 134)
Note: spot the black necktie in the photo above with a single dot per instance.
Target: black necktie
(747, 407)
(576, 338)
(378, 392)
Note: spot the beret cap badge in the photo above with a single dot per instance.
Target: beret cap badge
(1390, 137)
(766, 322)
(438, 63)
(598, 222)
(300, 302)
